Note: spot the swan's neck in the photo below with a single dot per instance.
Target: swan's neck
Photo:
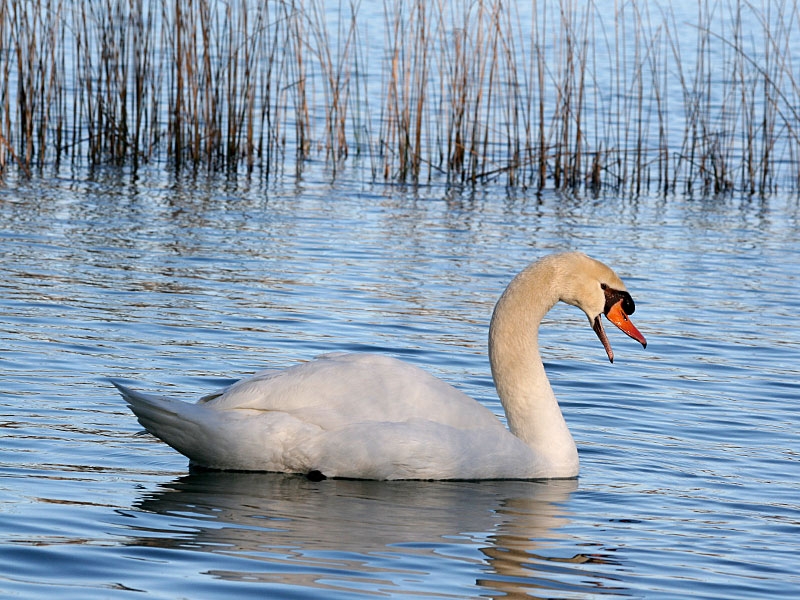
(531, 407)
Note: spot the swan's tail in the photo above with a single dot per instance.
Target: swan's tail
(172, 421)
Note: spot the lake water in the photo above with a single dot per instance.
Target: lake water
(690, 449)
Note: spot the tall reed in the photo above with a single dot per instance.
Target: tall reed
(554, 93)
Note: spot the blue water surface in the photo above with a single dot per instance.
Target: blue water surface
(690, 453)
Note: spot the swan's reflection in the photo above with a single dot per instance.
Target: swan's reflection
(370, 536)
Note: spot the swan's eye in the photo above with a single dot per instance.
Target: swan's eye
(628, 305)
(613, 296)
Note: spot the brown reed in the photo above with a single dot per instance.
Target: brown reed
(560, 93)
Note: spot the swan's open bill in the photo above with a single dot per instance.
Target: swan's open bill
(375, 417)
(619, 305)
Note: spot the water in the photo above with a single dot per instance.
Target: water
(690, 481)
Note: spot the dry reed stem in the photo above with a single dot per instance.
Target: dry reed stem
(570, 95)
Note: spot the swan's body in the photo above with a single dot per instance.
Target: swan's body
(375, 417)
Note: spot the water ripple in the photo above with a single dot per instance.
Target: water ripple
(689, 449)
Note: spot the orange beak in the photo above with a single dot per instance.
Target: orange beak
(618, 317)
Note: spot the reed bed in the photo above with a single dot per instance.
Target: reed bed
(557, 93)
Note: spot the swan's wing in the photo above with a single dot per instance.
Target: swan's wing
(266, 374)
(336, 390)
(237, 391)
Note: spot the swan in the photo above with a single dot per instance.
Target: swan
(368, 416)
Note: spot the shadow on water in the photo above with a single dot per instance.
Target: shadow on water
(340, 534)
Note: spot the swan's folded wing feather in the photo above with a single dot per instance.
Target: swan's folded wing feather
(336, 390)
(230, 439)
(262, 375)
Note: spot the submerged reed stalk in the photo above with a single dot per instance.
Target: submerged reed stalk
(556, 93)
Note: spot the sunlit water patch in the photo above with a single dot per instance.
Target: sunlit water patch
(689, 449)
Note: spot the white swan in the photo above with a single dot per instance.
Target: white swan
(374, 417)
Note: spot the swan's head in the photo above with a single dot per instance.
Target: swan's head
(598, 291)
